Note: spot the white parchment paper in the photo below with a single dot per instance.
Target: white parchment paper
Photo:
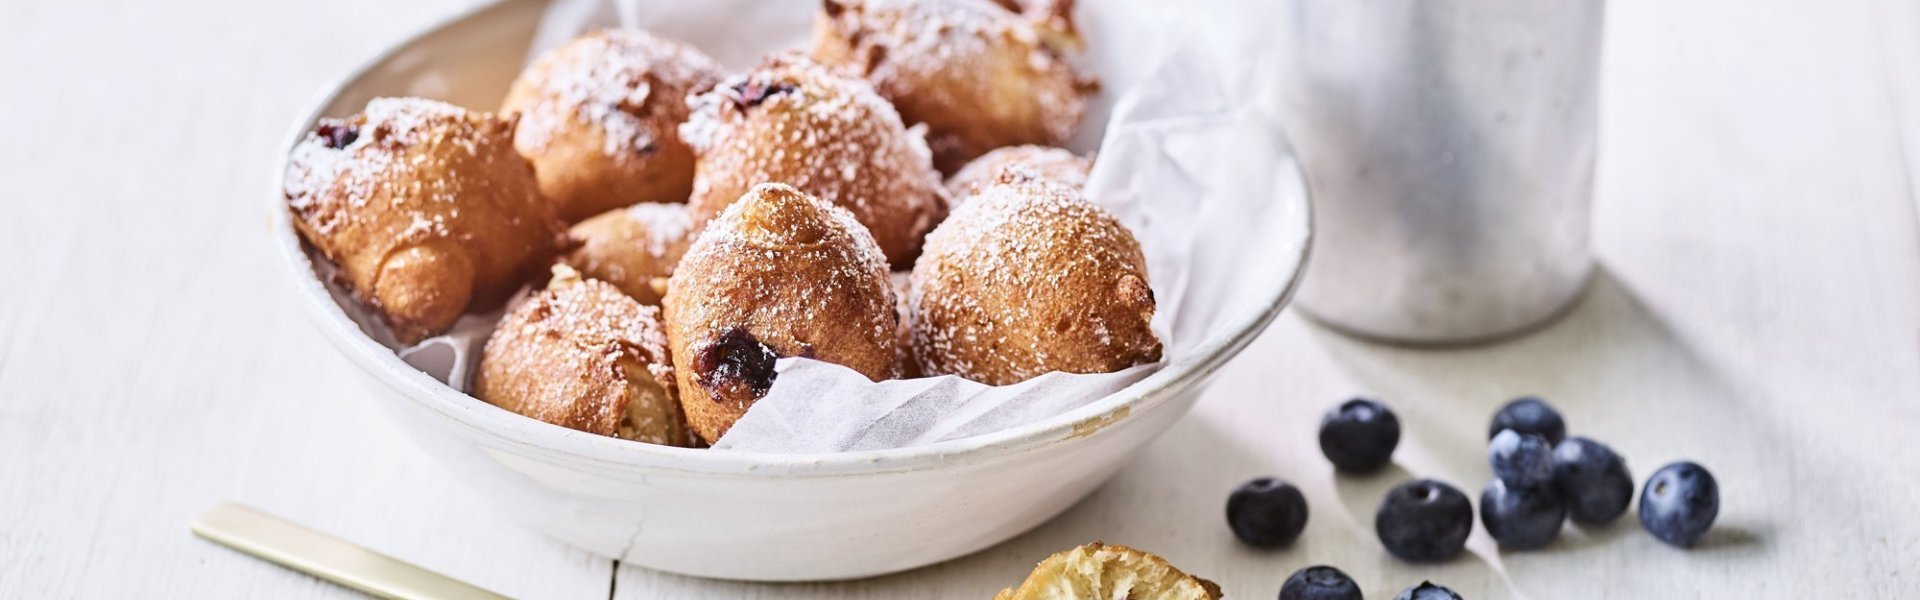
(1189, 157)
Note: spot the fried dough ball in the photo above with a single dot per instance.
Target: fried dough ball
(778, 274)
(1058, 165)
(634, 248)
(599, 119)
(1100, 570)
(424, 207)
(582, 355)
(978, 75)
(1027, 278)
(794, 122)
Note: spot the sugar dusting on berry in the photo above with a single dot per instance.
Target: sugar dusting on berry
(747, 93)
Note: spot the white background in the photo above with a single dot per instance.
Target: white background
(1759, 312)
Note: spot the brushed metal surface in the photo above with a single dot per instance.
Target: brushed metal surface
(1449, 145)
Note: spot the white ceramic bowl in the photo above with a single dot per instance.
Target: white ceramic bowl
(742, 515)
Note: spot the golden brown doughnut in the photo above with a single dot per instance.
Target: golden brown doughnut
(794, 122)
(599, 119)
(634, 248)
(582, 355)
(1058, 165)
(1025, 278)
(425, 208)
(977, 74)
(778, 274)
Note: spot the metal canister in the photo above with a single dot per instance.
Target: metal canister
(1449, 145)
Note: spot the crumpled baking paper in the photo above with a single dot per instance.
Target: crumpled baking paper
(1189, 157)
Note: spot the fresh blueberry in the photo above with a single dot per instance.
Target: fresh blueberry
(1424, 521)
(748, 94)
(1679, 503)
(1266, 512)
(1522, 460)
(1359, 435)
(1529, 415)
(1593, 479)
(1427, 591)
(1319, 583)
(1522, 518)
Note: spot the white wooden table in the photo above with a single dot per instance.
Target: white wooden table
(1759, 312)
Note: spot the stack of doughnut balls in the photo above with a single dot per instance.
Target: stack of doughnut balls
(686, 227)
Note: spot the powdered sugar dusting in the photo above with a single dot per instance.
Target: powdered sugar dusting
(417, 175)
(568, 355)
(318, 163)
(1028, 277)
(799, 273)
(845, 247)
(633, 248)
(792, 121)
(666, 225)
(325, 181)
(1058, 165)
(980, 75)
(628, 83)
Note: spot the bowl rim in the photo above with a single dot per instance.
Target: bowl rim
(560, 444)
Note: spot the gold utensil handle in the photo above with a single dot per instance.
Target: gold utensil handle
(296, 547)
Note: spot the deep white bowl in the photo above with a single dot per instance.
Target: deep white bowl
(743, 515)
